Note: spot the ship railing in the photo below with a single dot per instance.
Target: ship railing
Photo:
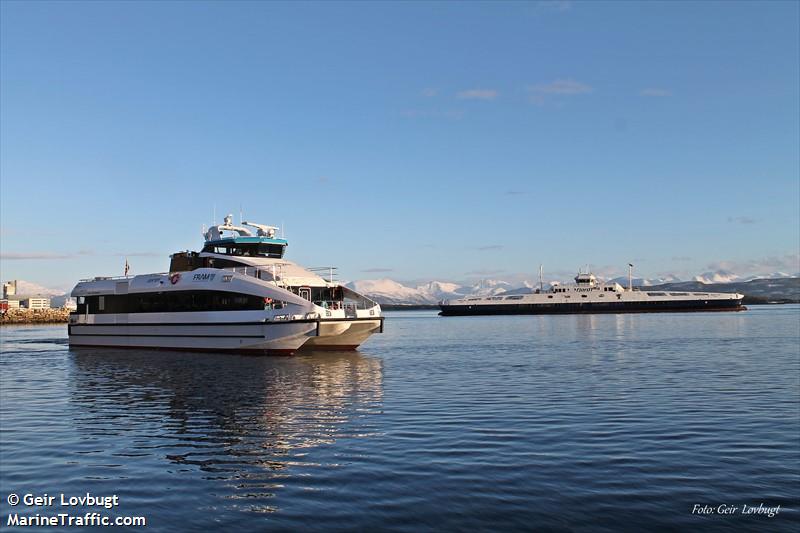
(264, 274)
(331, 271)
(357, 300)
(121, 278)
(363, 305)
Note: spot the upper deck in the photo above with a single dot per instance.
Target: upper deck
(228, 239)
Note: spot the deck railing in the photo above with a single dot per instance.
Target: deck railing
(332, 272)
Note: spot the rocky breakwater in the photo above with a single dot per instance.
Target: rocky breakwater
(35, 316)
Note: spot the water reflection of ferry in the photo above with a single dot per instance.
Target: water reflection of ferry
(237, 294)
(242, 423)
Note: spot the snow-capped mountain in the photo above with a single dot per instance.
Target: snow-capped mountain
(774, 275)
(388, 291)
(646, 282)
(490, 287)
(440, 290)
(718, 276)
(27, 288)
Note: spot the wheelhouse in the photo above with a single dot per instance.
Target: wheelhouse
(247, 247)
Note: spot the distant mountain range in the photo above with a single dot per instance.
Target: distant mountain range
(388, 291)
(774, 287)
(782, 290)
(26, 288)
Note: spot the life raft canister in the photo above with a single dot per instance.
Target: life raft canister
(174, 278)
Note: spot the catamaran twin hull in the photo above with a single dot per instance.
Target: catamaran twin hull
(207, 309)
(343, 334)
(245, 337)
(238, 293)
(249, 337)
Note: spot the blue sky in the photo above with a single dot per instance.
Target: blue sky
(408, 140)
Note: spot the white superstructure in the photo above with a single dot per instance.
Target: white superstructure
(238, 293)
(346, 317)
(207, 309)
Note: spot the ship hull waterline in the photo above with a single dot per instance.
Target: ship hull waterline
(280, 338)
(592, 308)
(343, 334)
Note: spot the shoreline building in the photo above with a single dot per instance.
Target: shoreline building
(36, 303)
(12, 299)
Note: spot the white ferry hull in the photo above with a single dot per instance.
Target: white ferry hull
(346, 334)
(259, 337)
(636, 306)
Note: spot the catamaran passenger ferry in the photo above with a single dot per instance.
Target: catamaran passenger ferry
(589, 295)
(237, 294)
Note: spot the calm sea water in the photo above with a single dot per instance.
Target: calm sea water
(584, 423)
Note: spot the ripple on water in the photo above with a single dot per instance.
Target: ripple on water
(574, 422)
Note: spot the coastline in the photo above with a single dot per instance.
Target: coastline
(61, 316)
(35, 316)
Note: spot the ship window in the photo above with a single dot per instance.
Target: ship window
(549, 295)
(567, 296)
(602, 295)
(172, 302)
(583, 296)
(656, 294)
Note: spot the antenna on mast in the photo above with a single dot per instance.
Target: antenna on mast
(214, 215)
(240, 214)
(541, 281)
(630, 277)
